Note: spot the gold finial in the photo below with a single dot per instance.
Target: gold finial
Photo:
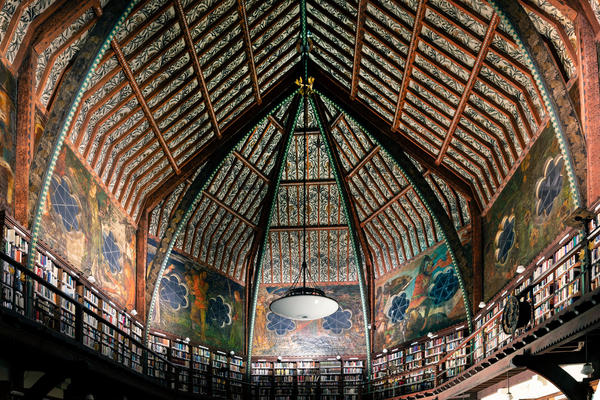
(306, 87)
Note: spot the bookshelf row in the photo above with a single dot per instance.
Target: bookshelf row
(414, 367)
(550, 285)
(60, 297)
(329, 378)
(200, 370)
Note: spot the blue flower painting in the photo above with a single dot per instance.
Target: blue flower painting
(279, 324)
(64, 203)
(219, 312)
(111, 253)
(505, 238)
(398, 308)
(338, 321)
(444, 286)
(173, 292)
(549, 187)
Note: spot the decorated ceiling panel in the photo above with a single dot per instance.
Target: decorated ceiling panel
(446, 75)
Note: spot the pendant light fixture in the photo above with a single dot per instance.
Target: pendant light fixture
(304, 303)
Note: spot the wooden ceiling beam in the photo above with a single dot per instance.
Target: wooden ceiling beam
(183, 24)
(370, 117)
(250, 166)
(313, 182)
(317, 228)
(549, 19)
(391, 201)
(410, 59)
(354, 226)
(249, 51)
(358, 43)
(76, 36)
(483, 50)
(229, 210)
(144, 104)
(242, 123)
(267, 206)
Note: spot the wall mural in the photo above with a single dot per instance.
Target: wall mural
(340, 333)
(199, 303)
(8, 141)
(527, 215)
(81, 222)
(424, 296)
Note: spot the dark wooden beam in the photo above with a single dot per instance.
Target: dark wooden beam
(65, 101)
(589, 107)
(410, 59)
(189, 42)
(416, 178)
(358, 44)
(259, 242)
(250, 117)
(550, 369)
(355, 228)
(566, 121)
(141, 254)
(248, 48)
(25, 136)
(297, 228)
(143, 104)
(210, 160)
(367, 117)
(477, 242)
(483, 51)
(230, 210)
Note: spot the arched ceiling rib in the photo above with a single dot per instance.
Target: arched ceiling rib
(395, 221)
(444, 75)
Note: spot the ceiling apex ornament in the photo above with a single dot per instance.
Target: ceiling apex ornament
(306, 88)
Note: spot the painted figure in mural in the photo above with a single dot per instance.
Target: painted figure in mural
(7, 151)
(199, 289)
(419, 307)
(238, 312)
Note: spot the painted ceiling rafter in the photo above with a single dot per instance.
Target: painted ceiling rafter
(144, 105)
(358, 45)
(213, 146)
(410, 59)
(259, 242)
(249, 50)
(191, 48)
(364, 273)
(469, 86)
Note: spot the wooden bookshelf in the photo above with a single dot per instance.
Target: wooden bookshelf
(594, 240)
(303, 379)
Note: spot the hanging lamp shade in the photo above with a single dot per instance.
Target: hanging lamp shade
(304, 304)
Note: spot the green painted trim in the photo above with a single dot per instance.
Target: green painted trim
(541, 83)
(188, 214)
(41, 203)
(259, 261)
(426, 203)
(359, 263)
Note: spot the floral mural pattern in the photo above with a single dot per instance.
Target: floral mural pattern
(341, 333)
(549, 187)
(81, 221)
(525, 217)
(505, 239)
(200, 303)
(279, 324)
(174, 292)
(339, 321)
(422, 296)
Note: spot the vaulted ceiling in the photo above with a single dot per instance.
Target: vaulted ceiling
(180, 75)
